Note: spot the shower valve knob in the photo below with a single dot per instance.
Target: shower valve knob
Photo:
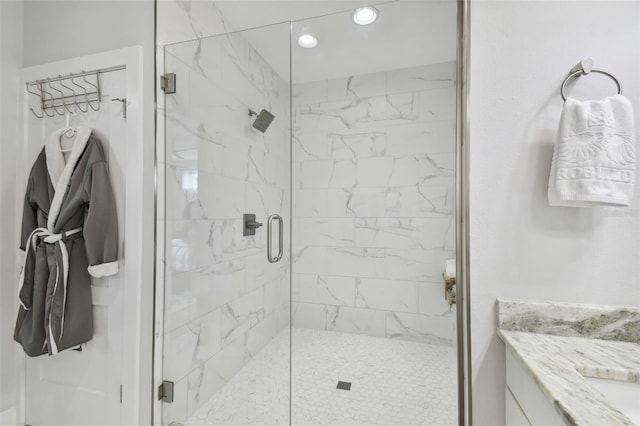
(249, 224)
(252, 224)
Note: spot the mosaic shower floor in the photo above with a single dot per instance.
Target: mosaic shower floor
(393, 383)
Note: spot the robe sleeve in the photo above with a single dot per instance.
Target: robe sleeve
(29, 219)
(101, 225)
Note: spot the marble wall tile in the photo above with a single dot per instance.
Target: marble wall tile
(178, 300)
(216, 286)
(310, 315)
(431, 299)
(356, 202)
(239, 315)
(258, 337)
(436, 329)
(379, 148)
(403, 233)
(309, 259)
(426, 77)
(333, 232)
(207, 378)
(327, 289)
(355, 320)
(356, 145)
(428, 138)
(393, 295)
(310, 203)
(420, 200)
(356, 262)
(415, 264)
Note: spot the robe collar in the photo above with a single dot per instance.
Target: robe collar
(59, 172)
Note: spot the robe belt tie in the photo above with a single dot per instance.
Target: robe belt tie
(44, 235)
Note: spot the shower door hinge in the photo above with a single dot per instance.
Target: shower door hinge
(165, 392)
(168, 83)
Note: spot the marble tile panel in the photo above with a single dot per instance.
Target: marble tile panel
(309, 92)
(310, 146)
(309, 315)
(415, 264)
(260, 335)
(209, 377)
(422, 138)
(327, 289)
(356, 202)
(422, 200)
(437, 105)
(357, 86)
(432, 329)
(392, 295)
(334, 232)
(309, 260)
(355, 320)
(241, 314)
(221, 197)
(356, 262)
(310, 203)
(259, 271)
(357, 144)
(431, 299)
(426, 77)
(178, 300)
(180, 348)
(403, 233)
(216, 286)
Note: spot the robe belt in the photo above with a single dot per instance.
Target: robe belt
(48, 237)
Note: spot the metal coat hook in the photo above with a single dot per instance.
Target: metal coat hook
(84, 78)
(86, 96)
(31, 109)
(53, 103)
(44, 99)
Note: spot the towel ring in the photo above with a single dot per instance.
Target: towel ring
(577, 73)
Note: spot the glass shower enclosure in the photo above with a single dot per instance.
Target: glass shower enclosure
(309, 190)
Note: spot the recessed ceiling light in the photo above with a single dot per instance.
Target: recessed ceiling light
(365, 15)
(307, 41)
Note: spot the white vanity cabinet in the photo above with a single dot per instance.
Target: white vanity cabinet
(525, 403)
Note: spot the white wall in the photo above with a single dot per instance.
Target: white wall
(521, 247)
(10, 60)
(56, 30)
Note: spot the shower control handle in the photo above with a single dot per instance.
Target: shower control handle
(270, 256)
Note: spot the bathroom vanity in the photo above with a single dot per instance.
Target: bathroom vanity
(570, 364)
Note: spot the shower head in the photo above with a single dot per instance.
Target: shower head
(263, 120)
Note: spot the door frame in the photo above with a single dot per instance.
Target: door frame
(135, 377)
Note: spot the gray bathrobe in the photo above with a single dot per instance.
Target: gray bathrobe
(69, 233)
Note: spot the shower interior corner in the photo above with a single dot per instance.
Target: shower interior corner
(360, 165)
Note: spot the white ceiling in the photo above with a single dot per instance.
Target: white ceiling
(407, 33)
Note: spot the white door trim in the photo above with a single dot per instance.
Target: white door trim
(135, 377)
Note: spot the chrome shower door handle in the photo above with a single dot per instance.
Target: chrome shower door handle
(270, 257)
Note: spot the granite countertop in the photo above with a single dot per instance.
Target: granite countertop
(560, 344)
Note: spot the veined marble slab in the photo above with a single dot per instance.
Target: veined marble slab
(570, 320)
(559, 365)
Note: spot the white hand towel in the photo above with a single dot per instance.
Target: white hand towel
(594, 157)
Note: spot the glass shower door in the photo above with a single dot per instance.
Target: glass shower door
(226, 332)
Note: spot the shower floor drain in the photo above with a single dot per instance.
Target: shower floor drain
(344, 385)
